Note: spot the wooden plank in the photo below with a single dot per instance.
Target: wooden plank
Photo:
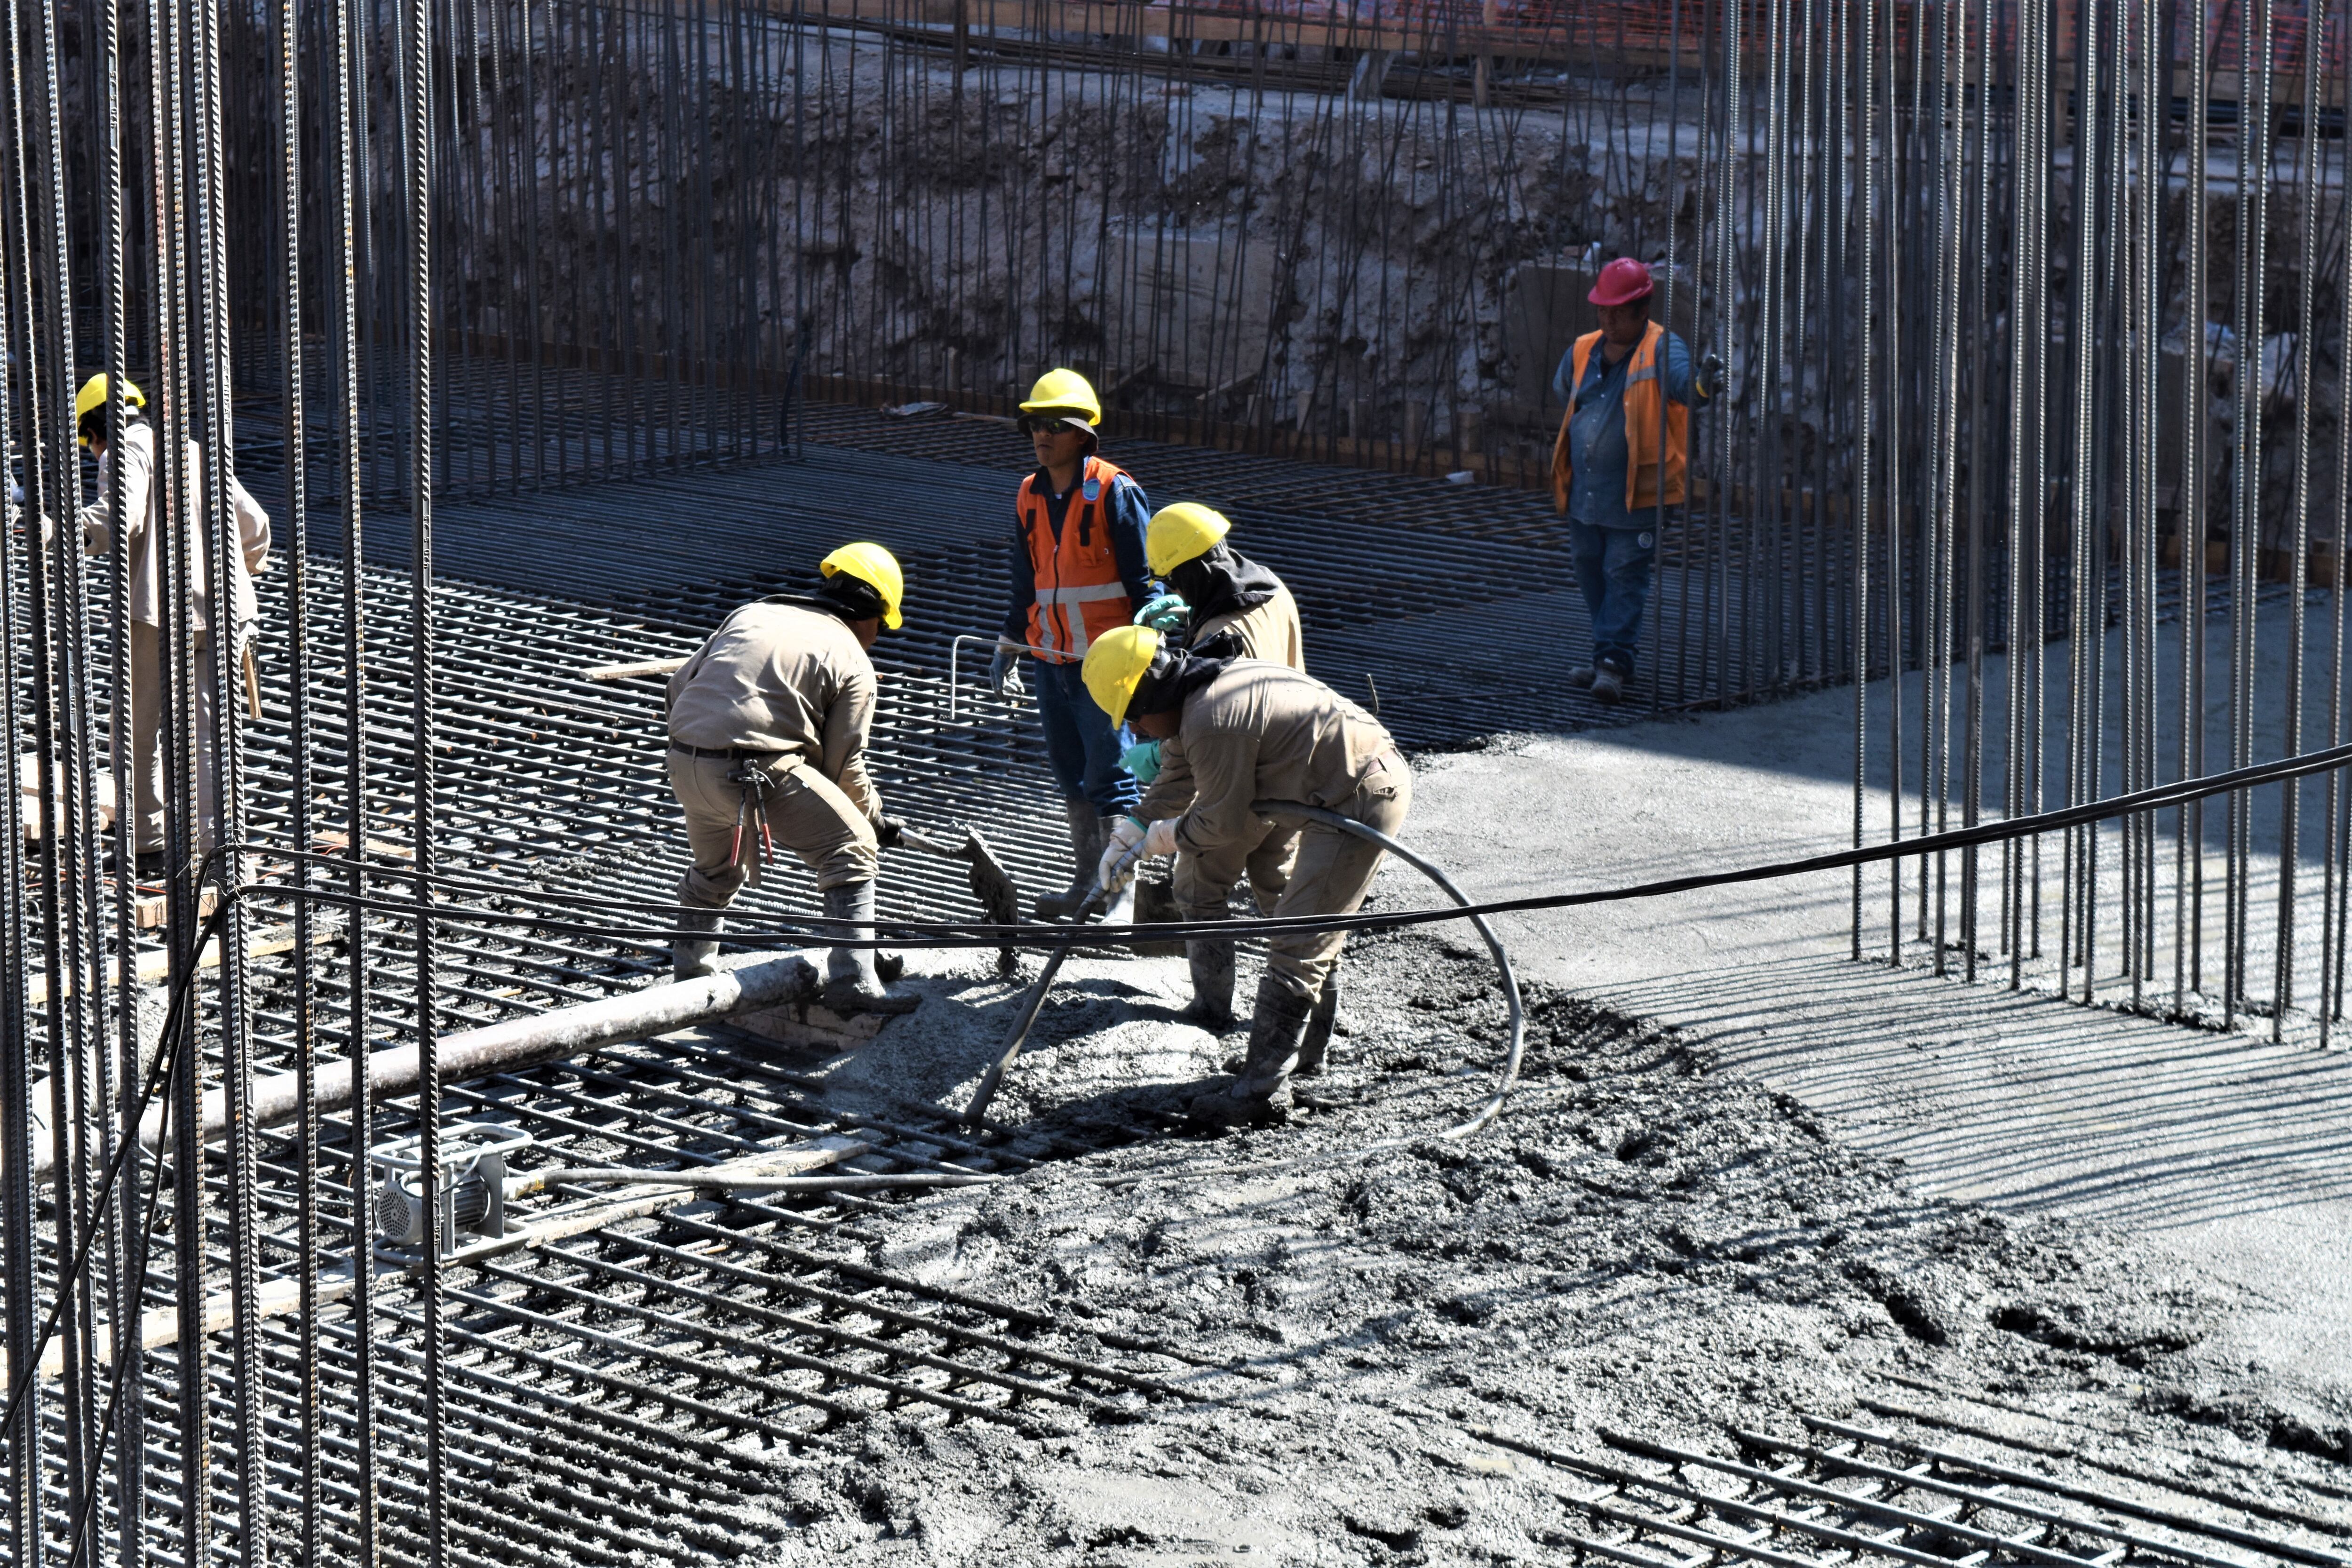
(148, 910)
(631, 671)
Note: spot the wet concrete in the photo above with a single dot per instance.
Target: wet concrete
(2235, 1150)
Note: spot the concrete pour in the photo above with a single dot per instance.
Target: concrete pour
(1646, 1241)
(1745, 1177)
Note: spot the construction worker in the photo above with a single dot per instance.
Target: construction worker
(1623, 452)
(1077, 571)
(1235, 731)
(130, 461)
(1221, 605)
(767, 727)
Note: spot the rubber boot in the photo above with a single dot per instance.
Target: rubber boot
(1315, 1050)
(692, 957)
(1087, 848)
(1260, 1092)
(850, 983)
(1212, 1007)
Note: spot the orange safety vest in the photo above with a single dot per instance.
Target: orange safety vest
(1079, 595)
(1643, 399)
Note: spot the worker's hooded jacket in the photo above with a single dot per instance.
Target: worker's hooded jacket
(130, 463)
(782, 674)
(1243, 611)
(1267, 630)
(1259, 732)
(1079, 592)
(1651, 416)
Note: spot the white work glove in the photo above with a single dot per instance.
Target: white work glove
(1116, 871)
(1005, 670)
(1126, 833)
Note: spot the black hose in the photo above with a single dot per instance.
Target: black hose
(1509, 1075)
(1036, 1000)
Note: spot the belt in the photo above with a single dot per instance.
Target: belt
(723, 753)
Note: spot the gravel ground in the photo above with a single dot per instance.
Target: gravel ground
(1646, 1242)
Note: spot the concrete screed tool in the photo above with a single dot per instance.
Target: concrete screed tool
(992, 884)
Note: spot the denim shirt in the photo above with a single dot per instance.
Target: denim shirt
(1596, 436)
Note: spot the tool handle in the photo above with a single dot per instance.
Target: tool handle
(1036, 1001)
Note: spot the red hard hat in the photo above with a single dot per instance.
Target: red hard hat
(1622, 281)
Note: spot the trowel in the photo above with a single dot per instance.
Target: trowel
(1000, 901)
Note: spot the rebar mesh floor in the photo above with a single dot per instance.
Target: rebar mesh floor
(625, 1388)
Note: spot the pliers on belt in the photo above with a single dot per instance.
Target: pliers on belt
(752, 778)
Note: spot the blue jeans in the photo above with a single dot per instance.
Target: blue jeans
(1612, 568)
(1080, 741)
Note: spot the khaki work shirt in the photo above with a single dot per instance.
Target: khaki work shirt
(1258, 731)
(141, 502)
(782, 676)
(1269, 631)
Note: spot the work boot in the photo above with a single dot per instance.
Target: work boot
(1212, 1007)
(1315, 1050)
(1580, 677)
(1608, 686)
(851, 985)
(1260, 1092)
(1087, 845)
(692, 957)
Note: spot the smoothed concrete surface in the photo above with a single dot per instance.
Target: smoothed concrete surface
(2234, 1150)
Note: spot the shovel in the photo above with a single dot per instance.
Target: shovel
(1000, 901)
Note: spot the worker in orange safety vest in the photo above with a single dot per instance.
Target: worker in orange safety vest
(1621, 460)
(1077, 569)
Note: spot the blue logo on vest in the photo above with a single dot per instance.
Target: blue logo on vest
(1092, 488)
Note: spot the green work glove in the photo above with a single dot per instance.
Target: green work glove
(1168, 614)
(1142, 760)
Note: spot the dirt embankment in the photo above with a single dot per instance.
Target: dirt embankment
(1642, 1243)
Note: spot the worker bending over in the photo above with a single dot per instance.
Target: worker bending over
(1077, 571)
(130, 462)
(1220, 604)
(1239, 730)
(767, 727)
(1622, 453)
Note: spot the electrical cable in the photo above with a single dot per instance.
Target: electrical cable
(929, 935)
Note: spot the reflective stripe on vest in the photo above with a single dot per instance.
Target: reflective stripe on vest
(1646, 410)
(1079, 595)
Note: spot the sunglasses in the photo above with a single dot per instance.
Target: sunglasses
(1043, 425)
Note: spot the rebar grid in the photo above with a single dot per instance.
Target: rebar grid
(1869, 1495)
(422, 272)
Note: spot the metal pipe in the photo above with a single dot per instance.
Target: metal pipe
(507, 1047)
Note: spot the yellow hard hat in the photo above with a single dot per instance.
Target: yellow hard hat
(93, 396)
(1180, 532)
(878, 569)
(1064, 391)
(1116, 665)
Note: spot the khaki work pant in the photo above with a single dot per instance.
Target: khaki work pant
(1203, 884)
(146, 684)
(1329, 874)
(807, 813)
